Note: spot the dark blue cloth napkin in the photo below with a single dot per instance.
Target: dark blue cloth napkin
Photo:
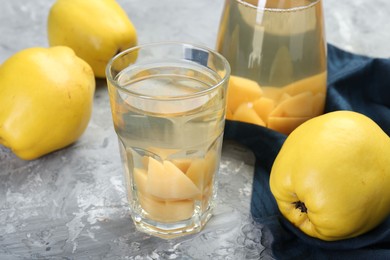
(355, 83)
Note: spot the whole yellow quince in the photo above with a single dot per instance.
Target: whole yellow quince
(331, 178)
(95, 30)
(46, 97)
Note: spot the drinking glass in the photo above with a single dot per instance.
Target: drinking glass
(168, 104)
(277, 53)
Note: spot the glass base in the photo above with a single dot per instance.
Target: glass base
(171, 230)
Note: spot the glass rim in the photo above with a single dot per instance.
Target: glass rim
(203, 92)
(291, 9)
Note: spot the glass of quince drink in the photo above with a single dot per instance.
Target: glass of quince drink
(168, 105)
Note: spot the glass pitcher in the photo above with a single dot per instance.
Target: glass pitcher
(277, 53)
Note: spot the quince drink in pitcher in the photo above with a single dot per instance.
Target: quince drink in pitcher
(277, 53)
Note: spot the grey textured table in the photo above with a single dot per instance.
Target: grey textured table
(71, 204)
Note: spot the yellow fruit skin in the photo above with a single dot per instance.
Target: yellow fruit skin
(46, 95)
(95, 30)
(338, 165)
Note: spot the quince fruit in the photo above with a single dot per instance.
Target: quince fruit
(331, 177)
(95, 30)
(46, 95)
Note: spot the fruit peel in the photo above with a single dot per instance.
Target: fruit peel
(95, 30)
(50, 106)
(331, 176)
